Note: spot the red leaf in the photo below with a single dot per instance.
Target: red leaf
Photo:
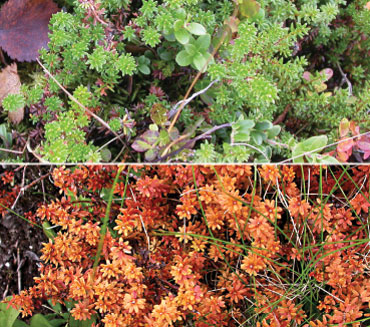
(363, 145)
(327, 73)
(345, 146)
(24, 27)
(307, 76)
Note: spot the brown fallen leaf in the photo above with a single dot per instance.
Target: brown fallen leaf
(24, 27)
(10, 83)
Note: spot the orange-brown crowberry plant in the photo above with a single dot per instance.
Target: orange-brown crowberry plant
(207, 246)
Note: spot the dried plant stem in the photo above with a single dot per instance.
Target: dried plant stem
(199, 74)
(188, 143)
(101, 121)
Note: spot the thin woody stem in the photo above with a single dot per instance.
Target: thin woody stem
(223, 37)
(101, 121)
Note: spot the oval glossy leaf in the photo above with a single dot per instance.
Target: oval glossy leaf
(263, 125)
(257, 137)
(182, 35)
(328, 160)
(199, 61)
(164, 54)
(144, 69)
(241, 130)
(158, 114)
(315, 143)
(170, 37)
(203, 42)
(190, 49)
(196, 29)
(145, 141)
(183, 58)
(178, 24)
(319, 87)
(344, 127)
(273, 131)
(249, 8)
(7, 315)
(151, 154)
(38, 320)
(106, 155)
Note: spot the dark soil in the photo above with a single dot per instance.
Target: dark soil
(20, 242)
(20, 245)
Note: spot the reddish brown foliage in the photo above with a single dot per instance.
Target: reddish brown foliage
(208, 246)
(24, 27)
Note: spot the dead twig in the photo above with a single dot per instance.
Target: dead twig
(21, 191)
(185, 102)
(101, 121)
(19, 274)
(188, 143)
(282, 116)
(345, 79)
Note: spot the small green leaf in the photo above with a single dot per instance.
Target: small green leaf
(196, 29)
(158, 114)
(263, 125)
(329, 160)
(273, 131)
(258, 137)
(145, 141)
(5, 135)
(151, 154)
(178, 25)
(170, 37)
(327, 73)
(7, 316)
(106, 155)
(183, 58)
(344, 127)
(182, 35)
(203, 42)
(249, 8)
(313, 144)
(190, 49)
(20, 323)
(164, 54)
(241, 130)
(199, 61)
(48, 231)
(144, 69)
(38, 320)
(174, 134)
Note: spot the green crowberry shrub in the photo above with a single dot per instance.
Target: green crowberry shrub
(267, 74)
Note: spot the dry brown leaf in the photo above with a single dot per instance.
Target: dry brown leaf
(24, 27)
(10, 83)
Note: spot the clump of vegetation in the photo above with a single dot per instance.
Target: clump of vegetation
(192, 80)
(199, 246)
